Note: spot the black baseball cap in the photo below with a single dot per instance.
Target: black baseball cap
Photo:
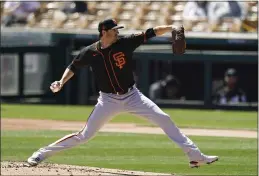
(231, 72)
(108, 24)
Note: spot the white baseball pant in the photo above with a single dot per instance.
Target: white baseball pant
(108, 106)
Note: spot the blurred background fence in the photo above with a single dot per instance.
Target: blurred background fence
(219, 69)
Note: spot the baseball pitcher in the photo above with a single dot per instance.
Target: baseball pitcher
(110, 59)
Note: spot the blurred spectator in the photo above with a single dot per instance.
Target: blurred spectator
(220, 9)
(168, 88)
(195, 9)
(216, 13)
(18, 11)
(195, 16)
(75, 6)
(229, 15)
(230, 92)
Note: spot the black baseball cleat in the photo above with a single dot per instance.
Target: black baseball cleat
(204, 160)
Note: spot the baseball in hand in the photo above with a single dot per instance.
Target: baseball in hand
(55, 86)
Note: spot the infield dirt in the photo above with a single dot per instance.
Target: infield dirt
(20, 168)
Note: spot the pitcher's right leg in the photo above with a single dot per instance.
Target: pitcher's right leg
(140, 105)
(102, 113)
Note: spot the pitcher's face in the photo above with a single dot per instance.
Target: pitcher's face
(111, 34)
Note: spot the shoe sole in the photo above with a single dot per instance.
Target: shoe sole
(195, 164)
(29, 164)
(32, 164)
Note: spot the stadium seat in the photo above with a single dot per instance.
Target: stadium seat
(179, 7)
(72, 21)
(155, 6)
(126, 15)
(136, 23)
(250, 24)
(93, 25)
(134, 15)
(103, 6)
(152, 16)
(129, 6)
(148, 24)
(197, 24)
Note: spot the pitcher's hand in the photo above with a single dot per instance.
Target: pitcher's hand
(56, 86)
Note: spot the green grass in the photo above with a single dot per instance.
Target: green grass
(183, 118)
(153, 153)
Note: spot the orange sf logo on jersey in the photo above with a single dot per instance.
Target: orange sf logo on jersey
(119, 59)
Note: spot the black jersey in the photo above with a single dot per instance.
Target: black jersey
(112, 66)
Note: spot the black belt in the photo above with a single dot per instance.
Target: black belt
(122, 92)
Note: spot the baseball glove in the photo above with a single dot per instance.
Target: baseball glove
(178, 41)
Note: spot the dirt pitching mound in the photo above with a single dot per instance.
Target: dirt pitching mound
(21, 168)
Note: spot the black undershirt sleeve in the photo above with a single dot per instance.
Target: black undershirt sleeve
(150, 33)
